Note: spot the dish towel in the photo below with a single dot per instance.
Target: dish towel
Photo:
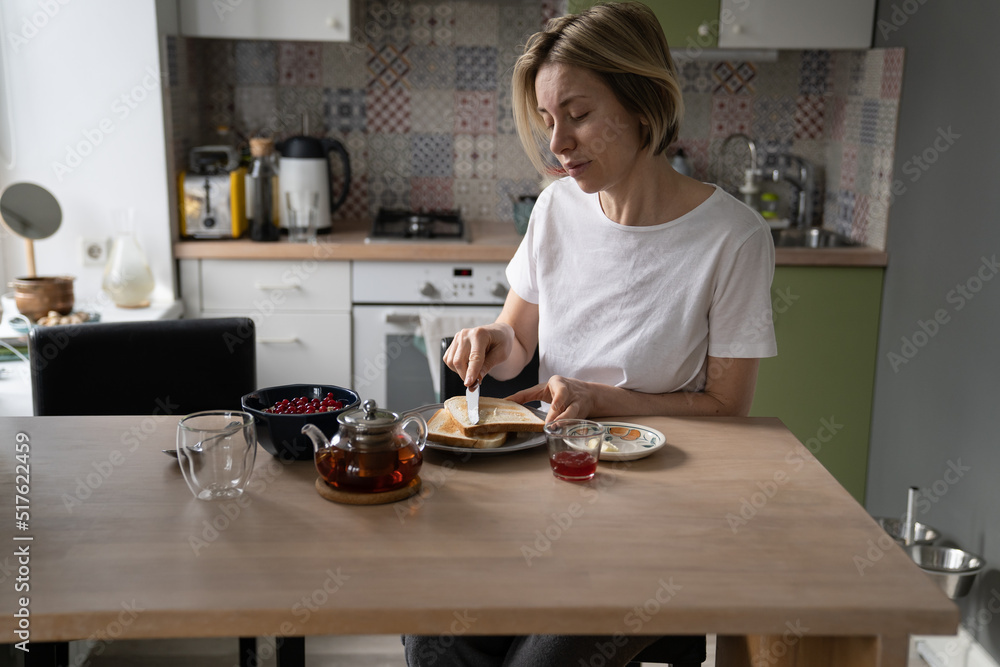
(437, 323)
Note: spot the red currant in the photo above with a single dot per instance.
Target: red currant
(305, 405)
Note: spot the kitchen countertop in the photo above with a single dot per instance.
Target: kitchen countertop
(491, 242)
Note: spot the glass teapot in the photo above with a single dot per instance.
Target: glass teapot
(372, 452)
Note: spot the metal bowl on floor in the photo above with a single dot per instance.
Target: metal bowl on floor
(922, 533)
(953, 569)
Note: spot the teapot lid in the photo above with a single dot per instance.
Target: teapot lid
(369, 417)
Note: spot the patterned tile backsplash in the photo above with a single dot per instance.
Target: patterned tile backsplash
(423, 106)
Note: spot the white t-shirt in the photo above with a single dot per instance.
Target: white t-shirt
(641, 307)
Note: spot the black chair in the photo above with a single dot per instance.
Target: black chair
(453, 385)
(142, 368)
(679, 651)
(147, 368)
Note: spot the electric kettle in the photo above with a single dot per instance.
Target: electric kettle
(305, 171)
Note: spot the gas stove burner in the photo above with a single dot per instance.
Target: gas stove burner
(403, 225)
(419, 225)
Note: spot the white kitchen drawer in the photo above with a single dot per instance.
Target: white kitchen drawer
(267, 286)
(313, 20)
(301, 348)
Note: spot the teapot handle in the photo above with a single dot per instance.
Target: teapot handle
(417, 419)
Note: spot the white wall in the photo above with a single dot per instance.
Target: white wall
(83, 83)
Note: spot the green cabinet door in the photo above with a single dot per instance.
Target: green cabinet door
(821, 383)
(687, 24)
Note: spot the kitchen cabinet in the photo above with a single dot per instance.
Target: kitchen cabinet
(797, 24)
(686, 23)
(821, 383)
(691, 25)
(302, 311)
(310, 20)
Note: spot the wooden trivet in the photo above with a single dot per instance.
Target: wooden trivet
(355, 498)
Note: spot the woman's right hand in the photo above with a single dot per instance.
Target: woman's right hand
(473, 352)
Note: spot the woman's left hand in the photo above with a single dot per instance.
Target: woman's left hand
(568, 398)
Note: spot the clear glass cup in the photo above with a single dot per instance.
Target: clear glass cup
(302, 209)
(574, 447)
(216, 450)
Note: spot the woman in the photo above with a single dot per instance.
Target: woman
(646, 292)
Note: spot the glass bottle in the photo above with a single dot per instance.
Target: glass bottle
(127, 276)
(263, 179)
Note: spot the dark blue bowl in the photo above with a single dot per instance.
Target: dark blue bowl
(281, 435)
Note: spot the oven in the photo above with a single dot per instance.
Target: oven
(401, 310)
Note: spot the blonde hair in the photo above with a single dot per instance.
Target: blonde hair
(624, 45)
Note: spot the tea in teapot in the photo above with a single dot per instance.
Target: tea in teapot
(372, 452)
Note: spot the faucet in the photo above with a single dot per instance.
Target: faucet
(751, 185)
(798, 173)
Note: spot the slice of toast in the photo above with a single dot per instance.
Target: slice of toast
(442, 428)
(495, 415)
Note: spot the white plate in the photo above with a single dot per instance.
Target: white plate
(515, 441)
(634, 441)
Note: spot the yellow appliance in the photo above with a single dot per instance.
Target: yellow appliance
(212, 194)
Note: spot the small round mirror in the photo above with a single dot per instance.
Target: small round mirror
(30, 211)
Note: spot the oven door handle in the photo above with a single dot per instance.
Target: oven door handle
(402, 319)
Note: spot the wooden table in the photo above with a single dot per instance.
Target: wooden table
(733, 528)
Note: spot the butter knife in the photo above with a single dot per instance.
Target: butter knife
(472, 402)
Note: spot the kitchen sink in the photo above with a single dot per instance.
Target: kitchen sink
(814, 237)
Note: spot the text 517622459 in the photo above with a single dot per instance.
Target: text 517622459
(22, 548)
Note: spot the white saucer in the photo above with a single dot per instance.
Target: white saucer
(634, 441)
